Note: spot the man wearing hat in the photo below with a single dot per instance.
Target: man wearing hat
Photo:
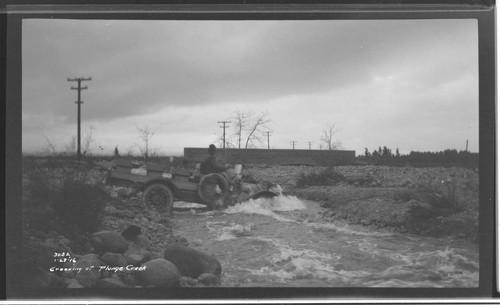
(210, 164)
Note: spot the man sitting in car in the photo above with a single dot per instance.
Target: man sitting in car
(210, 165)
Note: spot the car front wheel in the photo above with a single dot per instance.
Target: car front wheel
(159, 197)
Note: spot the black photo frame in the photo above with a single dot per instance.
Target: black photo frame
(14, 12)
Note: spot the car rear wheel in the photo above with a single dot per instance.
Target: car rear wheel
(159, 197)
(212, 190)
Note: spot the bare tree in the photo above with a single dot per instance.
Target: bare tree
(256, 129)
(88, 139)
(50, 147)
(229, 142)
(241, 120)
(145, 135)
(70, 148)
(327, 138)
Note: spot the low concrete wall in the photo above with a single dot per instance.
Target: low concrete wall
(273, 156)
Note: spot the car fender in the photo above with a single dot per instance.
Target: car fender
(168, 183)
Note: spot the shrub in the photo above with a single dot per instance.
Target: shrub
(440, 211)
(79, 206)
(427, 222)
(444, 198)
(63, 200)
(39, 192)
(328, 176)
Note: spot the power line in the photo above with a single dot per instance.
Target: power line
(224, 132)
(79, 102)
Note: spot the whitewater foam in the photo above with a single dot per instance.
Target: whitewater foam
(268, 206)
(225, 231)
(346, 229)
(446, 267)
(292, 264)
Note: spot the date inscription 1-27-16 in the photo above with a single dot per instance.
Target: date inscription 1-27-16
(63, 257)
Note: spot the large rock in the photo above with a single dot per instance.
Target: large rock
(131, 232)
(89, 274)
(111, 282)
(186, 281)
(110, 241)
(208, 279)
(191, 262)
(142, 241)
(136, 254)
(73, 283)
(43, 252)
(114, 259)
(159, 273)
(128, 278)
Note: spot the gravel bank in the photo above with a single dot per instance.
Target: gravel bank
(383, 196)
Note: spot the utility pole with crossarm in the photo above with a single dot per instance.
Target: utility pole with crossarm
(224, 132)
(79, 102)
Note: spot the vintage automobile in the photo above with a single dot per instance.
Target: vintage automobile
(161, 187)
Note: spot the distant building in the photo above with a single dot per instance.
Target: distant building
(274, 156)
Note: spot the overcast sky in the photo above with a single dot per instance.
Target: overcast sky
(407, 84)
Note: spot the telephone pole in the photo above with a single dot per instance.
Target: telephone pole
(79, 102)
(310, 145)
(224, 132)
(293, 144)
(268, 145)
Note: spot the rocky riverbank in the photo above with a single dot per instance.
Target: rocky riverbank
(434, 201)
(133, 246)
(134, 249)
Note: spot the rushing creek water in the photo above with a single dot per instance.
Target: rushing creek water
(284, 242)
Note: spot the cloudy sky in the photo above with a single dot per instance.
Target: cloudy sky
(407, 84)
